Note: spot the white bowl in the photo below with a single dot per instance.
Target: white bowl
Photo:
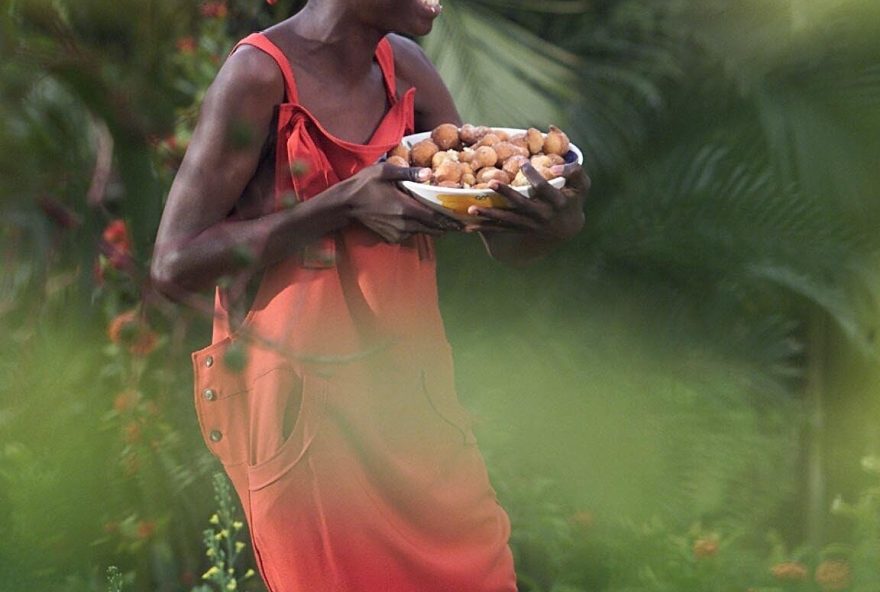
(459, 200)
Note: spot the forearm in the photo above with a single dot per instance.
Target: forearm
(230, 247)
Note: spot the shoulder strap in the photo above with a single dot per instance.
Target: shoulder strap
(385, 57)
(262, 42)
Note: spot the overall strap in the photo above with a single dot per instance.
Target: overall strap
(385, 57)
(262, 42)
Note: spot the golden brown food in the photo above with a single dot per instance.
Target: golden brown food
(472, 156)
(445, 136)
(422, 153)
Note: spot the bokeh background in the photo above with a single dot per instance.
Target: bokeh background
(686, 397)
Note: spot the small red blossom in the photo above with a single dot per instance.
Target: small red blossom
(706, 547)
(186, 45)
(145, 343)
(216, 9)
(789, 571)
(117, 243)
(121, 327)
(128, 329)
(126, 401)
(132, 433)
(145, 529)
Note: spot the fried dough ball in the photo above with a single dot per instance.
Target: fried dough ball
(487, 174)
(513, 164)
(489, 139)
(448, 171)
(556, 142)
(445, 136)
(471, 134)
(535, 140)
(484, 156)
(519, 140)
(422, 153)
(505, 150)
(402, 150)
(397, 160)
(442, 156)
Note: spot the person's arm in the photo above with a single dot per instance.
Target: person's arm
(532, 227)
(197, 244)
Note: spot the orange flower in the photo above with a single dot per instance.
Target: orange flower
(145, 342)
(833, 575)
(186, 45)
(145, 529)
(132, 432)
(216, 9)
(128, 329)
(123, 326)
(706, 547)
(125, 401)
(789, 571)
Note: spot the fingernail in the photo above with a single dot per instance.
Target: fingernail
(473, 211)
(424, 174)
(557, 169)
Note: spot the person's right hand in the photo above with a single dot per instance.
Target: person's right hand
(381, 205)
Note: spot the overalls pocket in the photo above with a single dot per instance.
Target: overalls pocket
(293, 430)
(438, 385)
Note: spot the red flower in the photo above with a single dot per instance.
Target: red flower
(122, 326)
(132, 432)
(186, 45)
(126, 401)
(216, 9)
(133, 332)
(116, 235)
(707, 547)
(117, 241)
(145, 529)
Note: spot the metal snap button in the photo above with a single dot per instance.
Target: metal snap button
(216, 435)
(209, 394)
(209, 361)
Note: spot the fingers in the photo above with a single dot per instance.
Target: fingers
(392, 172)
(576, 179)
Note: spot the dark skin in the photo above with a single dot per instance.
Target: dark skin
(330, 44)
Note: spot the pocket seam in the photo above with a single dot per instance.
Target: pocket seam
(306, 427)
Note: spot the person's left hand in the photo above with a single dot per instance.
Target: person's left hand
(551, 214)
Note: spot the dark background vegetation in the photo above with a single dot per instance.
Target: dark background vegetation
(682, 398)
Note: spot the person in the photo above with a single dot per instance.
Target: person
(330, 397)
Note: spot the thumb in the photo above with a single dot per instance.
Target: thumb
(576, 178)
(391, 172)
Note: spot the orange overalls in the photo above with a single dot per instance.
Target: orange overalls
(355, 463)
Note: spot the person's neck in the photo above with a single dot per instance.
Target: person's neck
(334, 34)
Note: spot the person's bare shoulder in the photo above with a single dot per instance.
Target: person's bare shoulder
(249, 83)
(434, 104)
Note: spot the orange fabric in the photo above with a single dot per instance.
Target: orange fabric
(355, 463)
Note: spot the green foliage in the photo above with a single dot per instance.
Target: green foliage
(646, 378)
